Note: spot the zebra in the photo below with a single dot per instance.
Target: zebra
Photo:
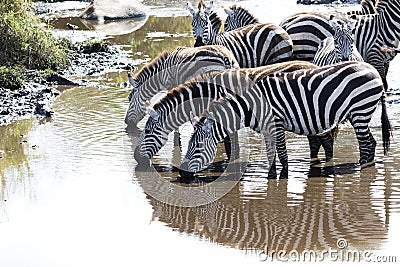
(307, 30)
(305, 102)
(253, 46)
(168, 70)
(238, 17)
(201, 19)
(176, 107)
(340, 47)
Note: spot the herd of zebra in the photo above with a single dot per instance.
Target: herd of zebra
(306, 75)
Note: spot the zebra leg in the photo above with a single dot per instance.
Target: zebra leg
(327, 143)
(363, 136)
(177, 139)
(231, 143)
(282, 152)
(372, 143)
(315, 145)
(271, 155)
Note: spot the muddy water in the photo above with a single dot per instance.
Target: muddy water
(71, 194)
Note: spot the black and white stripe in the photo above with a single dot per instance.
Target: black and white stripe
(253, 46)
(308, 102)
(367, 7)
(238, 17)
(371, 33)
(271, 220)
(340, 47)
(193, 97)
(170, 69)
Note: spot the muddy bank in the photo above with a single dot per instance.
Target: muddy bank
(32, 100)
(37, 92)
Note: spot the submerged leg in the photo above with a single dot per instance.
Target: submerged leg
(231, 143)
(282, 152)
(315, 145)
(271, 154)
(327, 143)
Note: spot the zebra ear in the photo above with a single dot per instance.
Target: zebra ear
(194, 119)
(210, 120)
(228, 11)
(208, 9)
(154, 114)
(333, 23)
(190, 8)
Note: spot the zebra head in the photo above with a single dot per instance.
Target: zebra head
(343, 38)
(201, 23)
(202, 145)
(153, 137)
(237, 17)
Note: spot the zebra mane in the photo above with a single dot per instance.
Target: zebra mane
(201, 4)
(215, 20)
(152, 65)
(239, 9)
(173, 93)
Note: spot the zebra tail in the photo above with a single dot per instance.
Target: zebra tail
(386, 128)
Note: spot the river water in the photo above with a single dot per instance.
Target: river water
(70, 194)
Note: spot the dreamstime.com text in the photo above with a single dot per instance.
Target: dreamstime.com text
(339, 254)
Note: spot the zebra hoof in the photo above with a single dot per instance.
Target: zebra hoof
(284, 174)
(186, 177)
(367, 164)
(272, 175)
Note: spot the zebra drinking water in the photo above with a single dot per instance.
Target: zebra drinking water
(171, 68)
(194, 97)
(307, 31)
(307, 102)
(253, 46)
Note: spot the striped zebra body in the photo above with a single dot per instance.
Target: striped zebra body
(371, 33)
(170, 69)
(253, 46)
(238, 17)
(367, 7)
(193, 97)
(308, 102)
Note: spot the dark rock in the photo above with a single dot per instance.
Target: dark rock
(60, 80)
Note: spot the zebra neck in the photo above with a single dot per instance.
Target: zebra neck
(151, 78)
(389, 27)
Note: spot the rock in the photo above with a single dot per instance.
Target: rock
(58, 79)
(113, 9)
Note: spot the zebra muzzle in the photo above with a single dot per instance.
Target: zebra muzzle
(140, 159)
(199, 42)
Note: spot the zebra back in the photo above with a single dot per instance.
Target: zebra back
(367, 7)
(257, 44)
(238, 17)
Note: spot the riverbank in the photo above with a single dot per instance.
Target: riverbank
(37, 91)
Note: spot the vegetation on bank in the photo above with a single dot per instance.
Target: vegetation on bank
(25, 44)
